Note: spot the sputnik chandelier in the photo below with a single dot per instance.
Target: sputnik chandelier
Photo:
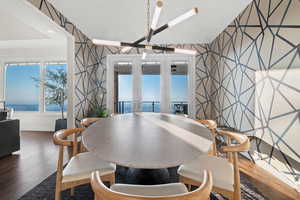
(153, 30)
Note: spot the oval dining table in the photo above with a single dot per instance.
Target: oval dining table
(147, 143)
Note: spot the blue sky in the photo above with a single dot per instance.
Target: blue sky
(151, 88)
(20, 88)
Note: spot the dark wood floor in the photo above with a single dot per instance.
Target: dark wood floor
(28, 167)
(37, 159)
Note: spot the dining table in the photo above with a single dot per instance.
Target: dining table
(147, 143)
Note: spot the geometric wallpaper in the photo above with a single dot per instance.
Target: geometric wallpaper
(277, 108)
(91, 65)
(264, 38)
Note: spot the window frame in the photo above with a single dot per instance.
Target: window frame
(42, 67)
(165, 60)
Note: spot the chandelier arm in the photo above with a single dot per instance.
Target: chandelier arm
(160, 29)
(155, 47)
(156, 15)
(143, 46)
(170, 24)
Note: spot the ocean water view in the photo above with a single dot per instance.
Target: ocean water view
(34, 107)
(21, 107)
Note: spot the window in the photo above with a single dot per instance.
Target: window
(151, 87)
(179, 88)
(22, 93)
(159, 83)
(56, 75)
(25, 83)
(123, 84)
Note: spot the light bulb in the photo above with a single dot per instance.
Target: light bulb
(107, 42)
(185, 51)
(156, 14)
(183, 17)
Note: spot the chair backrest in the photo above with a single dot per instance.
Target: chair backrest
(61, 138)
(102, 192)
(212, 126)
(242, 144)
(88, 121)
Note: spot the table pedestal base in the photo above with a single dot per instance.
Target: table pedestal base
(147, 176)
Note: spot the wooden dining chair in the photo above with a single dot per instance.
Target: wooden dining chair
(225, 170)
(212, 126)
(173, 191)
(79, 168)
(86, 122)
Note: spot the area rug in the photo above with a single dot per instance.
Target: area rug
(46, 189)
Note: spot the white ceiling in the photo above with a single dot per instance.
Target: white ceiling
(15, 29)
(22, 25)
(125, 20)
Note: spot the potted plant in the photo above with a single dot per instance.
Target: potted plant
(98, 111)
(55, 84)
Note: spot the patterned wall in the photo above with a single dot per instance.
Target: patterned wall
(265, 37)
(91, 65)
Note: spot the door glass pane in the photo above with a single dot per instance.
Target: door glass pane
(179, 88)
(151, 87)
(22, 87)
(123, 87)
(56, 80)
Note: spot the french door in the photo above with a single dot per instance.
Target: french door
(160, 83)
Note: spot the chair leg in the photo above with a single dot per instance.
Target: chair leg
(58, 192)
(58, 187)
(237, 194)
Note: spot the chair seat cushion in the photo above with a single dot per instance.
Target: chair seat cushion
(151, 190)
(83, 164)
(222, 171)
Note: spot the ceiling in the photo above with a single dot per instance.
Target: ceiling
(23, 25)
(15, 29)
(126, 20)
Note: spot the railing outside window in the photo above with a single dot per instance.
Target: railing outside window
(151, 106)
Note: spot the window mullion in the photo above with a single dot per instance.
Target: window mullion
(42, 87)
(165, 86)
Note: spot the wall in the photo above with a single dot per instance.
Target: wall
(89, 69)
(11, 52)
(265, 37)
(91, 66)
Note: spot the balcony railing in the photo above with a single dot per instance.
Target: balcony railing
(151, 106)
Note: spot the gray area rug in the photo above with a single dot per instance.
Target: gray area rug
(46, 189)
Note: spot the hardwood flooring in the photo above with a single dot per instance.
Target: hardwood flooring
(266, 183)
(26, 168)
(37, 160)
